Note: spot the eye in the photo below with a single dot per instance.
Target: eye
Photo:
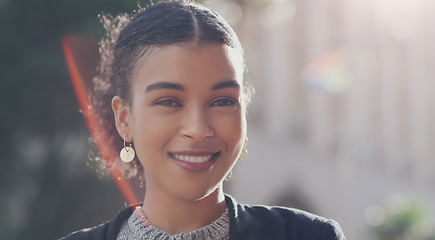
(167, 102)
(223, 102)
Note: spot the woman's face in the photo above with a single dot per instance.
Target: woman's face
(187, 118)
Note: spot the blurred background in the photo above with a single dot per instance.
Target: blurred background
(342, 123)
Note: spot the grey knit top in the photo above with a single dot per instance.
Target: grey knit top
(138, 227)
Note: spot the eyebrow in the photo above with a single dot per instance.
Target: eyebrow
(175, 86)
(164, 85)
(226, 84)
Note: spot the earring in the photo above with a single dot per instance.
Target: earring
(228, 177)
(127, 153)
(243, 154)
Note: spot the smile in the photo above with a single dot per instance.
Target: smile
(195, 161)
(194, 158)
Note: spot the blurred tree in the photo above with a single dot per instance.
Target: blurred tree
(405, 218)
(46, 189)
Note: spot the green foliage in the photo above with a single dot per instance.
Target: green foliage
(405, 218)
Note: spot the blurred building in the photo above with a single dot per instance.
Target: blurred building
(344, 114)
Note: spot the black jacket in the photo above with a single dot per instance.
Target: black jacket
(246, 222)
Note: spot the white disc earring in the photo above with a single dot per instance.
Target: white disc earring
(127, 153)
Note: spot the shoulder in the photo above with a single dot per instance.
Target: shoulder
(107, 230)
(265, 222)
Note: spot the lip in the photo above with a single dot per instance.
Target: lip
(194, 161)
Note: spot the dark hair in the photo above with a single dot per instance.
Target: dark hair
(128, 38)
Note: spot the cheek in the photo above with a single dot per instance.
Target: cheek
(151, 132)
(232, 129)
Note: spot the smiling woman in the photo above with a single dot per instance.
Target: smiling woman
(194, 115)
(173, 90)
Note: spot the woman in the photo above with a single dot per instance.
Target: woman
(179, 110)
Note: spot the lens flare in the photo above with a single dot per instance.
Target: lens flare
(327, 72)
(81, 56)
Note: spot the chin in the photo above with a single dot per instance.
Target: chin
(198, 194)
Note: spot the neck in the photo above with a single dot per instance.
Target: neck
(177, 215)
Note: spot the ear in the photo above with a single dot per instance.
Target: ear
(122, 118)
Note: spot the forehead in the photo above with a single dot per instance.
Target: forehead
(186, 59)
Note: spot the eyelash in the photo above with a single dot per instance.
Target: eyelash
(223, 102)
(169, 102)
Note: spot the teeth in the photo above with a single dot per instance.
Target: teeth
(193, 159)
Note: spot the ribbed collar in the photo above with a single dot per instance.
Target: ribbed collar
(140, 228)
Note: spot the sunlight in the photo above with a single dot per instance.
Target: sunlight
(399, 16)
(72, 47)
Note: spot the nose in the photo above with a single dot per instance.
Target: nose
(196, 125)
